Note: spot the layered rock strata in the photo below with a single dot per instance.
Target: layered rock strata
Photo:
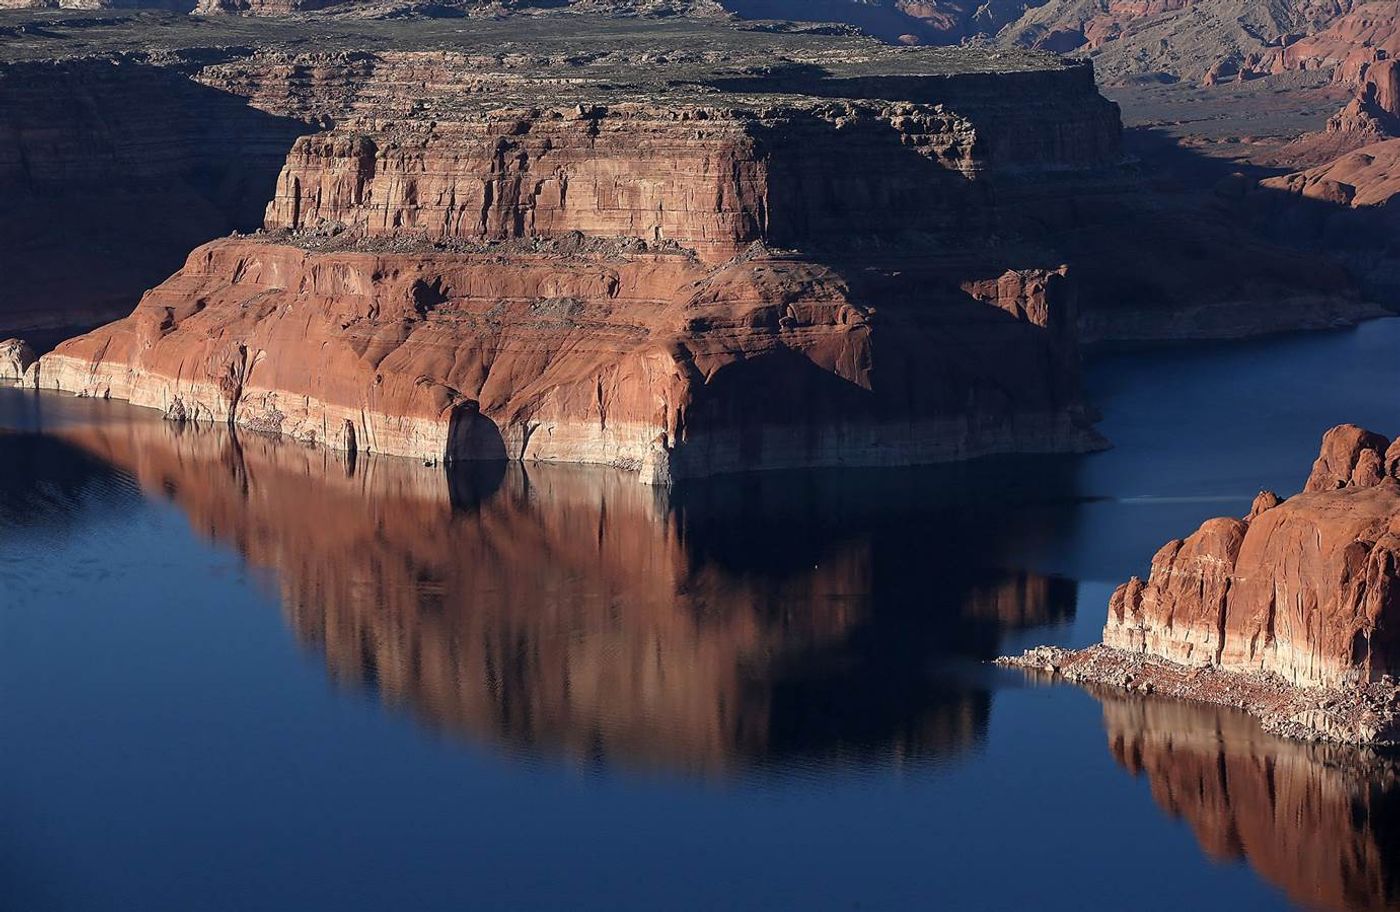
(599, 282)
(1292, 612)
(1036, 143)
(646, 360)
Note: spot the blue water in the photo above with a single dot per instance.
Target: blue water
(241, 675)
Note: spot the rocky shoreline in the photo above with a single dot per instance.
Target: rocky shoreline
(1359, 714)
(1289, 613)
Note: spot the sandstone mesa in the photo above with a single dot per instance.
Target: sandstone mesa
(738, 248)
(783, 277)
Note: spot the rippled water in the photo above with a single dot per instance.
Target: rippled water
(237, 674)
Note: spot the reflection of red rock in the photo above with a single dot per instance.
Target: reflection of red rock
(1320, 822)
(1309, 589)
(565, 609)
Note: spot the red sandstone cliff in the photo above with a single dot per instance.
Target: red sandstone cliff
(582, 283)
(1308, 588)
(648, 360)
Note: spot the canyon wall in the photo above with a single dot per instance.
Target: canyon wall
(1307, 588)
(605, 282)
(700, 178)
(684, 255)
(646, 360)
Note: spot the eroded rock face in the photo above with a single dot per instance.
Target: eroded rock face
(597, 282)
(707, 178)
(644, 359)
(1366, 177)
(15, 358)
(1308, 588)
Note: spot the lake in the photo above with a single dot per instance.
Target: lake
(240, 674)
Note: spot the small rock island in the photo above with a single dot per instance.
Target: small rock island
(1291, 613)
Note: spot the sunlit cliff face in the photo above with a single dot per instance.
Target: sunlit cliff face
(1320, 822)
(571, 611)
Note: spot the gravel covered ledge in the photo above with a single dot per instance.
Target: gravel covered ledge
(1367, 713)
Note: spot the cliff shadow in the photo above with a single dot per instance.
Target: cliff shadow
(900, 233)
(1199, 228)
(473, 437)
(120, 169)
(884, 22)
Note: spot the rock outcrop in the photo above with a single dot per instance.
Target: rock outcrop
(793, 278)
(914, 210)
(1358, 49)
(1366, 177)
(1308, 589)
(1292, 612)
(16, 356)
(643, 359)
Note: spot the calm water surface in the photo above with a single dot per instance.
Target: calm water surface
(242, 675)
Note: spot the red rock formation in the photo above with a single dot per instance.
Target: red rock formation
(1308, 589)
(1317, 821)
(1191, 41)
(641, 359)
(1352, 45)
(1368, 176)
(709, 179)
(1359, 48)
(15, 358)
(577, 283)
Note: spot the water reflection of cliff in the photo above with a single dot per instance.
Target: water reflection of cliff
(1320, 822)
(576, 611)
